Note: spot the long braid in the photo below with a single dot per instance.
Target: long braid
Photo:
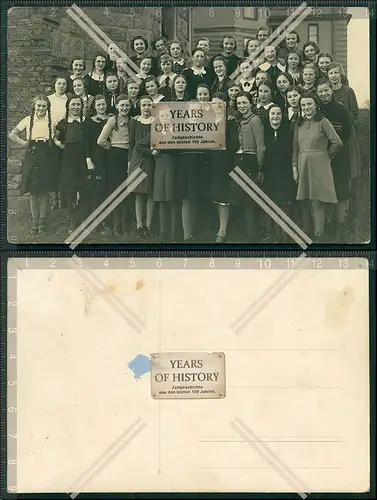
(116, 126)
(31, 123)
(49, 126)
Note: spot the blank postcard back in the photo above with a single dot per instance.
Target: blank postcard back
(296, 413)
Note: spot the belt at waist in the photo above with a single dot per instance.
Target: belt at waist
(313, 150)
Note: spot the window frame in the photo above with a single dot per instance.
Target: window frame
(253, 16)
(316, 26)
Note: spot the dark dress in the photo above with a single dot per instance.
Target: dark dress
(140, 154)
(292, 120)
(340, 119)
(194, 80)
(111, 66)
(222, 162)
(39, 168)
(95, 87)
(262, 112)
(218, 86)
(73, 169)
(347, 97)
(165, 175)
(281, 100)
(179, 66)
(272, 71)
(135, 108)
(279, 184)
(95, 183)
(190, 174)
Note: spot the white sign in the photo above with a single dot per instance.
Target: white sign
(182, 375)
(188, 125)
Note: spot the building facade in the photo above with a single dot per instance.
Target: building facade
(42, 41)
(326, 26)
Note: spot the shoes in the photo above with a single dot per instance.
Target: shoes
(149, 233)
(117, 232)
(220, 239)
(341, 233)
(190, 239)
(140, 233)
(318, 238)
(42, 229)
(34, 229)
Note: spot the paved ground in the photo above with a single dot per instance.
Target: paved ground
(357, 228)
(19, 223)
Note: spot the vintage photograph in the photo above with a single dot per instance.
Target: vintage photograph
(188, 125)
(167, 386)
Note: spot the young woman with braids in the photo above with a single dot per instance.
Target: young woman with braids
(114, 137)
(39, 171)
(69, 137)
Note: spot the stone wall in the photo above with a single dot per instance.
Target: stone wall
(41, 43)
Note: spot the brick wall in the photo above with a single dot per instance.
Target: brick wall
(41, 42)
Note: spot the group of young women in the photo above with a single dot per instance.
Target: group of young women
(290, 126)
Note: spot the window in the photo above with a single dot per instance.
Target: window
(274, 27)
(250, 13)
(313, 33)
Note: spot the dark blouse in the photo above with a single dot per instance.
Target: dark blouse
(218, 86)
(92, 130)
(111, 101)
(347, 97)
(70, 132)
(339, 118)
(94, 87)
(194, 80)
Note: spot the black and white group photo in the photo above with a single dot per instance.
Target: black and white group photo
(289, 90)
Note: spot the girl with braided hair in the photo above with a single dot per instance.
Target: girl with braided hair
(69, 137)
(114, 138)
(39, 171)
